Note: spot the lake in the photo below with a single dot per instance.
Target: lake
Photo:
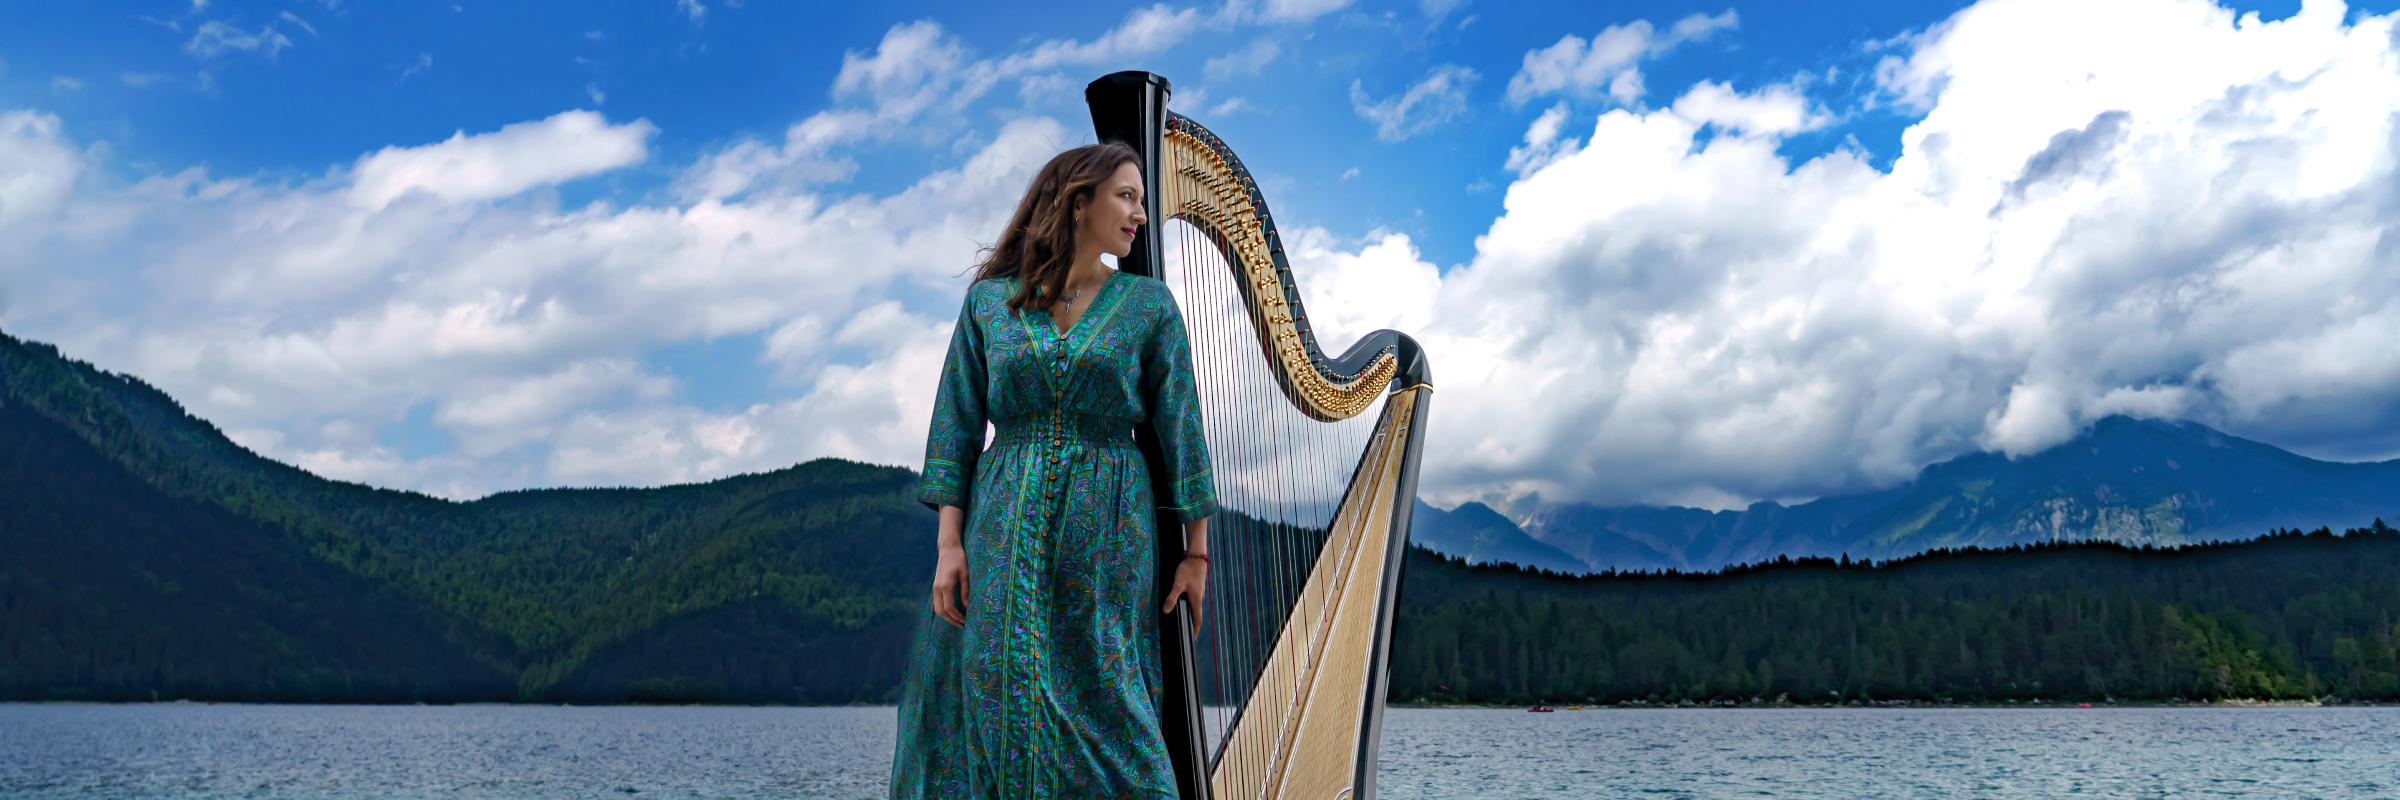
(474, 752)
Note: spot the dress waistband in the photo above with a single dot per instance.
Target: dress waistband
(1062, 429)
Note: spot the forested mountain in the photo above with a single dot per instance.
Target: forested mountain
(142, 554)
(145, 551)
(2129, 481)
(112, 589)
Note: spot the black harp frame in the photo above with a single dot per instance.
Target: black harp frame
(1131, 107)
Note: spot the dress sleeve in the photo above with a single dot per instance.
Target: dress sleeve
(1173, 401)
(955, 438)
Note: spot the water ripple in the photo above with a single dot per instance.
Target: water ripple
(1892, 753)
(533, 752)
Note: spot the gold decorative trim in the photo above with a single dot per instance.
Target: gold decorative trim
(1202, 189)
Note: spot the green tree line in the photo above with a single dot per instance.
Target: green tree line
(144, 555)
(2290, 615)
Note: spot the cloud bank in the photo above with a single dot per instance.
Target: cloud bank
(2161, 209)
(304, 319)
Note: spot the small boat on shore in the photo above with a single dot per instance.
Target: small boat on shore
(1541, 709)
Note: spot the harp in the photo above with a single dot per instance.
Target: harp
(1279, 694)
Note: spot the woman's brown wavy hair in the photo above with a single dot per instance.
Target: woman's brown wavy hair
(1038, 247)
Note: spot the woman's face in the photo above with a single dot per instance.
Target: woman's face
(1114, 214)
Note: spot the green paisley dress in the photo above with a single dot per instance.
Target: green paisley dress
(1051, 689)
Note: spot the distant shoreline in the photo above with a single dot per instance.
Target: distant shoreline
(1635, 706)
(1918, 704)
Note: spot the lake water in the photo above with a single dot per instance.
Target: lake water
(474, 752)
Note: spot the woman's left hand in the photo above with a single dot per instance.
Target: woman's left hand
(1191, 581)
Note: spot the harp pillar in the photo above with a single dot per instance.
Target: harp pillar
(1131, 107)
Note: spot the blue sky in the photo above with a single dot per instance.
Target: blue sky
(185, 277)
(359, 76)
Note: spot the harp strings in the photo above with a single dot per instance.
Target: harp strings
(1280, 477)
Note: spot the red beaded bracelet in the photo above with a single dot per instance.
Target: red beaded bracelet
(1202, 556)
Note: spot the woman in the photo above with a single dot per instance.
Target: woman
(1036, 673)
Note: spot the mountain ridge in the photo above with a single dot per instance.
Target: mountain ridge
(529, 585)
(2123, 480)
(150, 557)
(1475, 532)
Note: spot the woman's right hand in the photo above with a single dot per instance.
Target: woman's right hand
(950, 585)
(950, 569)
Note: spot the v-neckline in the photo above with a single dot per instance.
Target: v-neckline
(1059, 348)
(1051, 319)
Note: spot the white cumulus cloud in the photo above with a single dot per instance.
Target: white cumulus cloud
(1543, 143)
(306, 319)
(1440, 97)
(1778, 110)
(1608, 63)
(502, 163)
(2186, 223)
(2189, 222)
(443, 282)
(37, 168)
(917, 81)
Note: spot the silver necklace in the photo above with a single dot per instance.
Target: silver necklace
(1064, 305)
(1069, 303)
